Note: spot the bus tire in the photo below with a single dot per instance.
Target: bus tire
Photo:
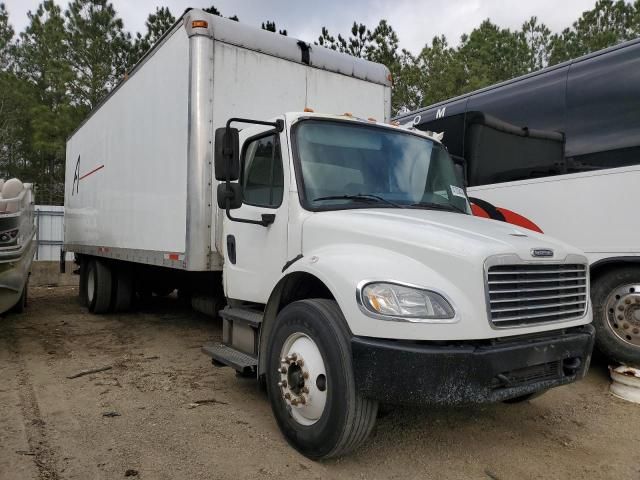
(99, 286)
(616, 314)
(333, 419)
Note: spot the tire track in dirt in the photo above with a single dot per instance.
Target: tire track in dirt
(35, 426)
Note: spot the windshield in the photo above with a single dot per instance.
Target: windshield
(347, 165)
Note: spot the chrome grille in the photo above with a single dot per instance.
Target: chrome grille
(527, 294)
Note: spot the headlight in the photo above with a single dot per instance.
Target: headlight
(410, 303)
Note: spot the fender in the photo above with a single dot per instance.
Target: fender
(341, 267)
(613, 261)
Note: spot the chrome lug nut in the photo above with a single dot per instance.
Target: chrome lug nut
(294, 402)
(305, 375)
(282, 370)
(305, 390)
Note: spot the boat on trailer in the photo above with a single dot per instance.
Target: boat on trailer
(17, 243)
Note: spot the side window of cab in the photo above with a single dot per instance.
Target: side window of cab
(262, 174)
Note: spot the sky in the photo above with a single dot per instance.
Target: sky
(415, 21)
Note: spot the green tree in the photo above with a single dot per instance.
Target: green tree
(214, 11)
(6, 35)
(157, 24)
(271, 27)
(538, 39)
(353, 45)
(42, 54)
(442, 73)
(99, 49)
(607, 24)
(42, 63)
(492, 54)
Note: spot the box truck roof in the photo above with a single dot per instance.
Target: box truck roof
(281, 46)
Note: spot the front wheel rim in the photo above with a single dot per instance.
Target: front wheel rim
(623, 313)
(302, 379)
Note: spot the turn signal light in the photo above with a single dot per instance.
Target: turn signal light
(309, 110)
(199, 24)
(347, 114)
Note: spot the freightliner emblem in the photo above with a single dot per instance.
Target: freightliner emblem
(541, 252)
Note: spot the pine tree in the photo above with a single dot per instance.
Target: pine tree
(157, 24)
(271, 27)
(99, 49)
(6, 35)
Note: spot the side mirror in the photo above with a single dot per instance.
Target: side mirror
(226, 154)
(231, 191)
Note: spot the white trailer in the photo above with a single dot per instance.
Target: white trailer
(342, 246)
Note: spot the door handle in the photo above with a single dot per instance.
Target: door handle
(231, 248)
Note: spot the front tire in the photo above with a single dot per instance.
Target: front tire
(310, 381)
(616, 314)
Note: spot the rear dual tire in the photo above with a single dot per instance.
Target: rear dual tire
(98, 286)
(334, 419)
(105, 287)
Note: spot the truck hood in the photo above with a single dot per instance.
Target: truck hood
(441, 251)
(414, 231)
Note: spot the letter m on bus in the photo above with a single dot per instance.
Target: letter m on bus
(440, 112)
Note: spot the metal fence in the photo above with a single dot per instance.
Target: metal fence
(50, 232)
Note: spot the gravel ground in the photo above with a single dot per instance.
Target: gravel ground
(163, 412)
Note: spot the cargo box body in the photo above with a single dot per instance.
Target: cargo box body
(139, 180)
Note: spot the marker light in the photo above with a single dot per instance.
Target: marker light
(199, 24)
(393, 300)
(309, 110)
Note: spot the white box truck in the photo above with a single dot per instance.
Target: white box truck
(341, 247)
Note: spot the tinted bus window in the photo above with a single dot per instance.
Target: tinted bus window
(603, 98)
(537, 102)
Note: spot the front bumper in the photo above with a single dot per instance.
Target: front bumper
(419, 373)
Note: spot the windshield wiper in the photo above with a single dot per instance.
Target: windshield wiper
(360, 197)
(439, 206)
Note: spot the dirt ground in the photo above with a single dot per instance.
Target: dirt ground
(164, 412)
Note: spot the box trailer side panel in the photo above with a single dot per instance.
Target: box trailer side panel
(257, 85)
(126, 167)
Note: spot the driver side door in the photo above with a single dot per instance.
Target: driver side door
(255, 254)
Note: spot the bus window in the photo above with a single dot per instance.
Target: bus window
(603, 95)
(536, 102)
(497, 151)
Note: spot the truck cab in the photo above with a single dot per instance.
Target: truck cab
(355, 274)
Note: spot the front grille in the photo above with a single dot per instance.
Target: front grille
(528, 294)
